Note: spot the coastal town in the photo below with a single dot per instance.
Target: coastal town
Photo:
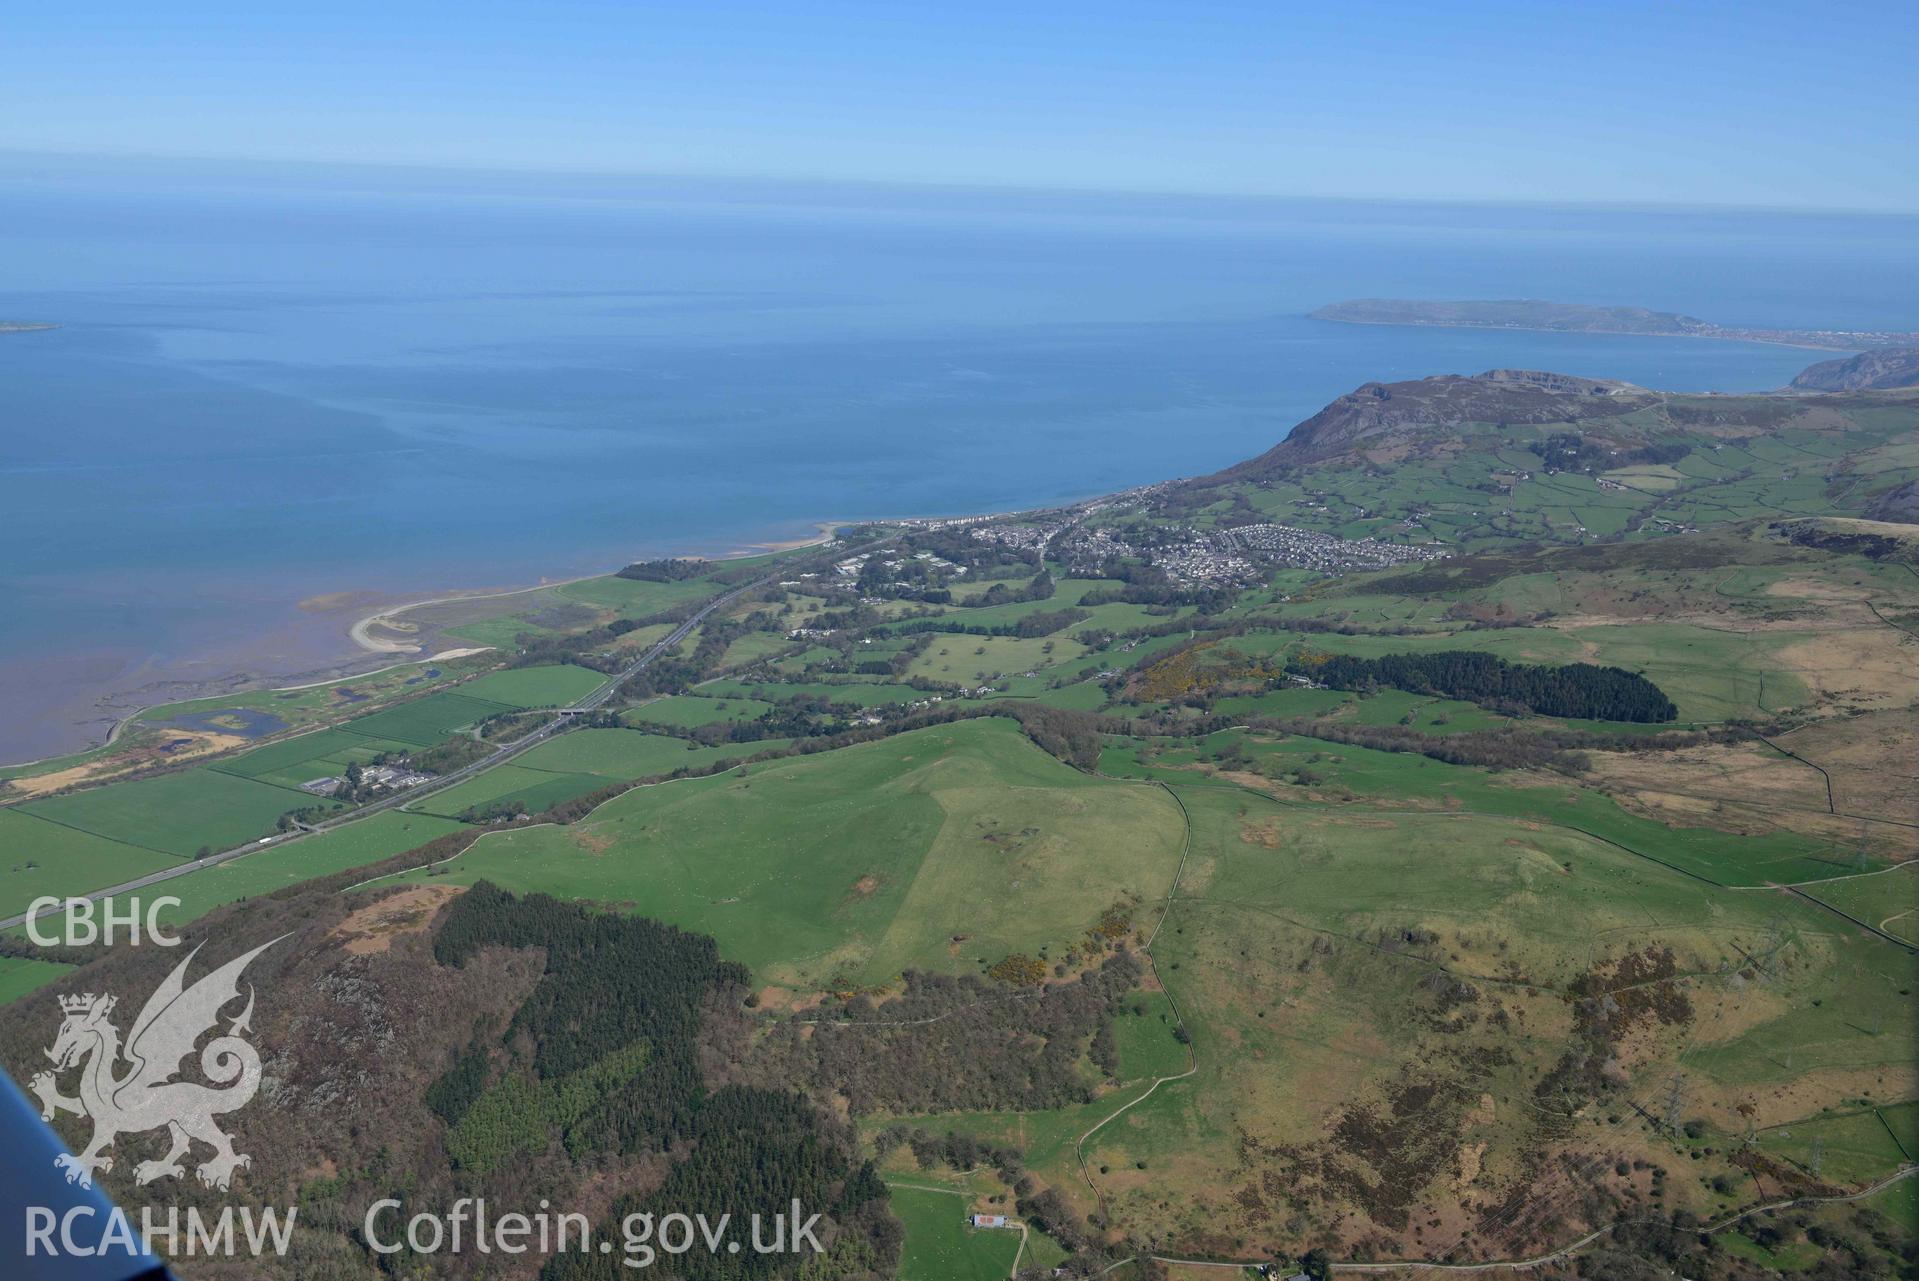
(1193, 558)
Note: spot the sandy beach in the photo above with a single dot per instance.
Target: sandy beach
(80, 700)
(386, 631)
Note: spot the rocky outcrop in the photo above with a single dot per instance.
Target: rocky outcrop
(1380, 413)
(1876, 370)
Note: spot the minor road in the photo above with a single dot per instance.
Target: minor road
(506, 752)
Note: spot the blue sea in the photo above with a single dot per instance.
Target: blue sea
(270, 387)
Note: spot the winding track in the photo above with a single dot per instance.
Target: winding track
(1421, 1265)
(605, 692)
(1146, 950)
(1565, 1251)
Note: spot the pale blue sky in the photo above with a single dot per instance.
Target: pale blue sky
(1756, 103)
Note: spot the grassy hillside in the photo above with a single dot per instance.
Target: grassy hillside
(1405, 970)
(938, 850)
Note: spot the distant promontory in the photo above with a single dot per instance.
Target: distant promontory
(1577, 318)
(1875, 370)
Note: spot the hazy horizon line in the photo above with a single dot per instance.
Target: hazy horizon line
(97, 163)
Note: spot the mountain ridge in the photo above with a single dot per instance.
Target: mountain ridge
(1442, 409)
(1582, 318)
(1883, 368)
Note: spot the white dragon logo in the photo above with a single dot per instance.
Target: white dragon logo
(145, 1096)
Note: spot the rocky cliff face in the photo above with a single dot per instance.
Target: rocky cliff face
(1900, 504)
(1875, 370)
(1380, 413)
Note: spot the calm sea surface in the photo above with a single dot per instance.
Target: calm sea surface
(263, 394)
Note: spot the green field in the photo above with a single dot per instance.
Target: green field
(1083, 697)
(332, 699)
(570, 606)
(287, 757)
(1338, 771)
(1849, 1148)
(1046, 1137)
(866, 861)
(19, 976)
(753, 648)
(1422, 712)
(614, 754)
(498, 633)
(281, 865)
(507, 784)
(1147, 1048)
(39, 857)
(965, 659)
(176, 813)
(1710, 674)
(554, 686)
(941, 1246)
(427, 721)
(634, 598)
(296, 707)
(1889, 901)
(689, 710)
(1900, 1203)
(1514, 644)
(861, 694)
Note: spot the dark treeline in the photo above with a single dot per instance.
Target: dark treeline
(1163, 595)
(19, 946)
(959, 546)
(1336, 627)
(488, 812)
(1483, 569)
(1040, 623)
(437, 850)
(1863, 1246)
(1488, 749)
(444, 757)
(1044, 1209)
(1575, 689)
(305, 814)
(894, 665)
(1627, 741)
(680, 570)
(756, 1152)
(460, 1086)
(1071, 736)
(665, 571)
(1569, 451)
(915, 579)
(613, 983)
(1805, 533)
(591, 648)
(1041, 587)
(1047, 621)
(802, 716)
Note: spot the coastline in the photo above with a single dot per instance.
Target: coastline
(361, 631)
(1615, 333)
(115, 710)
